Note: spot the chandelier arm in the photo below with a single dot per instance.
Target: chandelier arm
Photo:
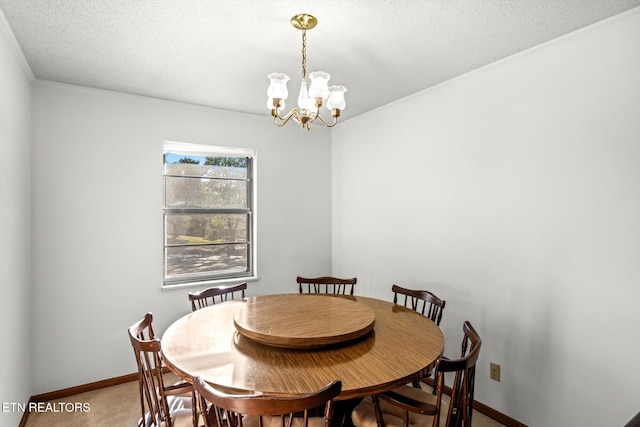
(317, 112)
(329, 125)
(285, 119)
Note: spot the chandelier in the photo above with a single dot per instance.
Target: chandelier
(309, 101)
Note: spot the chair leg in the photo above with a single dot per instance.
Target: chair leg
(435, 375)
(194, 409)
(378, 411)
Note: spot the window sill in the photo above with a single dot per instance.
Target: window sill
(208, 283)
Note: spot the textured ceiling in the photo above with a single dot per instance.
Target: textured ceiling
(218, 53)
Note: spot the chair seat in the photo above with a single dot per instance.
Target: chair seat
(364, 414)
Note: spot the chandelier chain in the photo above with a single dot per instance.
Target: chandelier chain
(304, 53)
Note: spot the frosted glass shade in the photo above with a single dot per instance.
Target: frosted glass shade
(336, 98)
(278, 86)
(319, 84)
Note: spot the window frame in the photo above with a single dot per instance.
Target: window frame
(195, 279)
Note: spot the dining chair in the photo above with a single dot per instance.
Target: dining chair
(326, 285)
(424, 302)
(215, 295)
(161, 404)
(265, 410)
(407, 405)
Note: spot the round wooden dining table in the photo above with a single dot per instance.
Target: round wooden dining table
(386, 346)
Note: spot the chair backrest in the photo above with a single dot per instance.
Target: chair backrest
(235, 410)
(326, 285)
(146, 348)
(423, 302)
(214, 295)
(461, 406)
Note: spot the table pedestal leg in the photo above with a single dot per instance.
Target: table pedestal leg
(342, 412)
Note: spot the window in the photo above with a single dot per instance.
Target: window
(209, 213)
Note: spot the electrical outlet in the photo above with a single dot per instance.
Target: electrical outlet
(494, 371)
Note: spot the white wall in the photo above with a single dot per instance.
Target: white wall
(513, 192)
(97, 219)
(15, 224)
